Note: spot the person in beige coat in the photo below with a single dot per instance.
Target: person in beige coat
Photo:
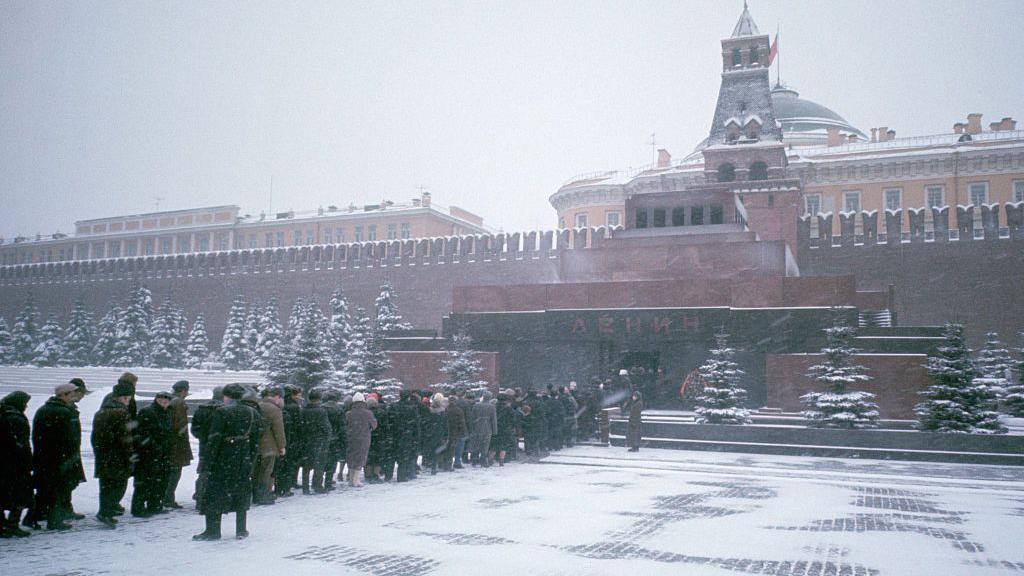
(272, 443)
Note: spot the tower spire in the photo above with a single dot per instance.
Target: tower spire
(745, 26)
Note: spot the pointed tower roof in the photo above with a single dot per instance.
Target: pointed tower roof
(745, 26)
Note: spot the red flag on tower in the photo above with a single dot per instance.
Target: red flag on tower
(774, 50)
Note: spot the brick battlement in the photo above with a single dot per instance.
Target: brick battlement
(452, 250)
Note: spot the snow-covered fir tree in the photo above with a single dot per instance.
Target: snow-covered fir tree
(80, 337)
(840, 405)
(722, 400)
(198, 347)
(253, 326)
(181, 329)
(461, 368)
(353, 372)
(6, 343)
(131, 344)
(295, 319)
(311, 362)
(106, 337)
(955, 403)
(270, 335)
(25, 333)
(993, 366)
(1013, 397)
(50, 348)
(234, 351)
(388, 317)
(339, 327)
(167, 349)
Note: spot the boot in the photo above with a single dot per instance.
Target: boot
(305, 481)
(318, 481)
(12, 524)
(240, 531)
(55, 520)
(212, 531)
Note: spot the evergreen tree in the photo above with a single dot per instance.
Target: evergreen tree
(167, 348)
(388, 317)
(461, 368)
(80, 337)
(270, 335)
(339, 327)
(253, 326)
(6, 343)
(198, 344)
(106, 337)
(181, 329)
(1013, 399)
(311, 363)
(25, 334)
(721, 401)
(353, 372)
(50, 348)
(993, 366)
(131, 345)
(233, 349)
(955, 403)
(839, 406)
(295, 319)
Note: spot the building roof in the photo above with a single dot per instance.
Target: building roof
(798, 114)
(745, 26)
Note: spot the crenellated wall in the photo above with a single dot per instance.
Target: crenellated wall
(943, 266)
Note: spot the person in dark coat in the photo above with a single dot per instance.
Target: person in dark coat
(506, 440)
(570, 407)
(336, 449)
(381, 457)
(16, 460)
(435, 433)
(152, 439)
(56, 460)
(288, 467)
(534, 424)
(112, 446)
(635, 405)
(406, 422)
(483, 424)
(181, 449)
(273, 444)
(359, 426)
(234, 442)
(555, 419)
(201, 421)
(130, 380)
(316, 433)
(457, 433)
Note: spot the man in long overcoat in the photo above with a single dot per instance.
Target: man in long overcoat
(181, 449)
(336, 450)
(288, 466)
(359, 425)
(112, 446)
(273, 443)
(201, 421)
(16, 459)
(152, 440)
(56, 460)
(316, 433)
(457, 433)
(483, 423)
(234, 442)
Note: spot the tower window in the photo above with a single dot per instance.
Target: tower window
(758, 171)
(659, 217)
(679, 216)
(726, 172)
(754, 55)
(737, 57)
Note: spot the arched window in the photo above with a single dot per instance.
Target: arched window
(758, 171)
(737, 58)
(726, 172)
(754, 55)
(753, 130)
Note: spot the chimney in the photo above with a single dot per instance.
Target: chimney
(834, 137)
(874, 134)
(1008, 124)
(974, 123)
(425, 199)
(958, 128)
(882, 132)
(416, 202)
(995, 126)
(852, 138)
(664, 158)
(890, 135)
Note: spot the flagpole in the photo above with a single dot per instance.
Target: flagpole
(778, 69)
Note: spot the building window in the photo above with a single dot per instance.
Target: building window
(659, 218)
(310, 239)
(132, 248)
(715, 214)
(612, 218)
(1018, 191)
(165, 246)
(404, 227)
(339, 234)
(935, 196)
(222, 240)
(641, 218)
(754, 55)
(204, 243)
(60, 254)
(327, 236)
(737, 57)
(297, 237)
(392, 232)
(851, 201)
(280, 239)
(147, 246)
(726, 172)
(561, 222)
(115, 250)
(581, 220)
(893, 199)
(268, 240)
(371, 232)
(696, 215)
(184, 243)
(359, 233)
(758, 170)
(812, 204)
(252, 240)
(679, 216)
(979, 193)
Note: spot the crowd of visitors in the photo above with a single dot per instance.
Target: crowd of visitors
(257, 445)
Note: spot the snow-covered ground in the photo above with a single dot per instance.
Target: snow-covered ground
(587, 510)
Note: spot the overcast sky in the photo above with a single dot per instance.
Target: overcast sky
(106, 106)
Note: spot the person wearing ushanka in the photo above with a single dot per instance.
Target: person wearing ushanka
(234, 441)
(152, 441)
(112, 445)
(56, 459)
(181, 448)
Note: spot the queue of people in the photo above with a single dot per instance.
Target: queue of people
(258, 445)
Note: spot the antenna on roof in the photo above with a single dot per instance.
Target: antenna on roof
(158, 199)
(654, 152)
